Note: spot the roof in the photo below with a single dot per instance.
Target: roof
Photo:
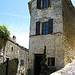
(23, 48)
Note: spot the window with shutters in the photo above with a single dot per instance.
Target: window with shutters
(41, 4)
(51, 61)
(47, 27)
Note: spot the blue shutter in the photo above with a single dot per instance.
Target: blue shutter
(38, 4)
(50, 24)
(38, 28)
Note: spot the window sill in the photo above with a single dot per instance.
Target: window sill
(45, 8)
(41, 35)
(52, 67)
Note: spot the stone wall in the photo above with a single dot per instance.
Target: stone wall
(11, 50)
(43, 15)
(69, 23)
(69, 69)
(61, 43)
(69, 52)
(53, 43)
(37, 43)
(69, 30)
(14, 50)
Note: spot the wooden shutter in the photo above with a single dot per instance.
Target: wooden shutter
(50, 24)
(38, 28)
(42, 4)
(38, 4)
(48, 3)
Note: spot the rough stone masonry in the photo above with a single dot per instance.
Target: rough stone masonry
(60, 42)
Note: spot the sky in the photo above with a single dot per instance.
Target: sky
(14, 14)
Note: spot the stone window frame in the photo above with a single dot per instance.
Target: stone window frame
(42, 4)
(41, 25)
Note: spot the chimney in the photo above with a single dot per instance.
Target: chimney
(14, 38)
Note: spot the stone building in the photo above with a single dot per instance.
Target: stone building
(52, 24)
(14, 50)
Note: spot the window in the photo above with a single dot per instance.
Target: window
(41, 4)
(11, 48)
(45, 4)
(51, 61)
(22, 62)
(45, 28)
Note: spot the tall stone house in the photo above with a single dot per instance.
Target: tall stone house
(52, 24)
(14, 51)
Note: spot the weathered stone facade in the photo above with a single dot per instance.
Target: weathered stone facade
(14, 50)
(61, 43)
(68, 30)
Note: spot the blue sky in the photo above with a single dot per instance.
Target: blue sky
(15, 15)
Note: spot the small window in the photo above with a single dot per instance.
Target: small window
(22, 63)
(11, 48)
(51, 61)
(41, 4)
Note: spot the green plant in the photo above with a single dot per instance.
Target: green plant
(4, 32)
(43, 63)
(4, 35)
(12, 67)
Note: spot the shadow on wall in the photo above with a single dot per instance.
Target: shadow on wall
(12, 67)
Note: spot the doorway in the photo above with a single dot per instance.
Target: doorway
(37, 66)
